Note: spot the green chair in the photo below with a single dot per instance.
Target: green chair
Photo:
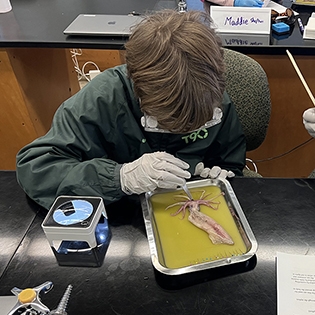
(248, 87)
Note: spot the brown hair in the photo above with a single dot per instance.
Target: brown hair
(176, 63)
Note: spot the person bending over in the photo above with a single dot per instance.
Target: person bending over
(152, 122)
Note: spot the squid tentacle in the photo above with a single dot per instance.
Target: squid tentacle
(216, 232)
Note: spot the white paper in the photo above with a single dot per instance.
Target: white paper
(241, 19)
(6, 304)
(245, 20)
(278, 7)
(309, 31)
(295, 284)
(244, 39)
(266, 2)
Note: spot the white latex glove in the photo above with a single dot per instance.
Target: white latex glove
(153, 170)
(214, 172)
(309, 121)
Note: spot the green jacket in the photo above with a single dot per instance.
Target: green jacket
(98, 129)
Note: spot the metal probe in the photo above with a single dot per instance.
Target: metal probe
(185, 188)
(61, 309)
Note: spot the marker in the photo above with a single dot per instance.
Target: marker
(301, 26)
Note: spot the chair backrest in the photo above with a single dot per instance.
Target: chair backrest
(248, 87)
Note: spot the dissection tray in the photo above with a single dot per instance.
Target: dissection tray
(178, 246)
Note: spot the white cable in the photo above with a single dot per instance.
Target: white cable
(87, 74)
(81, 72)
(253, 163)
(74, 54)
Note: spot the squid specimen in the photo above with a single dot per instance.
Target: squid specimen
(216, 232)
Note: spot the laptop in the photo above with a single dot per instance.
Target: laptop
(102, 25)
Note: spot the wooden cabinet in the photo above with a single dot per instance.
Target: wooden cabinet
(275, 157)
(34, 82)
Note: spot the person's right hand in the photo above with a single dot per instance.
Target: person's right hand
(153, 170)
(309, 121)
(248, 3)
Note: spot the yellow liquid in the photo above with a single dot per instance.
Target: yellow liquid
(180, 243)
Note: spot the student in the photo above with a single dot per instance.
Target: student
(142, 125)
(309, 121)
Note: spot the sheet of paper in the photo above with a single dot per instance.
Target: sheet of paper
(241, 20)
(277, 7)
(266, 2)
(7, 303)
(295, 284)
(309, 31)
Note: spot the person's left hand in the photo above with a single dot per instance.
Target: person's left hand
(309, 121)
(214, 172)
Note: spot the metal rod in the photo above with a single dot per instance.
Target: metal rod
(301, 77)
(185, 188)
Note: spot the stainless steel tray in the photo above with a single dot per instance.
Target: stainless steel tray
(178, 247)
